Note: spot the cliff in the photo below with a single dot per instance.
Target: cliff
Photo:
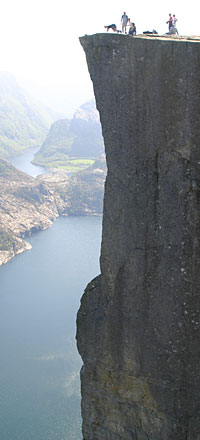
(138, 327)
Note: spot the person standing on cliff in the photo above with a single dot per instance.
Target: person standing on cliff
(124, 21)
(174, 20)
(170, 21)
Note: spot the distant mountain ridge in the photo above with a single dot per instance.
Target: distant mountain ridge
(71, 144)
(80, 137)
(23, 122)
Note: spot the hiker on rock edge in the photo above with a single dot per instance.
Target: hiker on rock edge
(124, 21)
(170, 21)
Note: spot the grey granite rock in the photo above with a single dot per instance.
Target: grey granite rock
(138, 327)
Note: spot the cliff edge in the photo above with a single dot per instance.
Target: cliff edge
(138, 327)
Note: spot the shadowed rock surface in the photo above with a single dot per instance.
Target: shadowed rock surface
(138, 326)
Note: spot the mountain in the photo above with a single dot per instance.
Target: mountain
(23, 122)
(86, 131)
(30, 204)
(57, 145)
(71, 144)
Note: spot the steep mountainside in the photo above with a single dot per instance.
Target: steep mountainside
(139, 322)
(23, 123)
(86, 129)
(71, 139)
(28, 205)
(56, 148)
(86, 189)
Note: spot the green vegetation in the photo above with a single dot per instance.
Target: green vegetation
(7, 241)
(63, 162)
(74, 165)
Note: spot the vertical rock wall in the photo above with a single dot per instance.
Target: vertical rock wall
(139, 321)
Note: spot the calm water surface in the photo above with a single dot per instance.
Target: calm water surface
(40, 292)
(23, 163)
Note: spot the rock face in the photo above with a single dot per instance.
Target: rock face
(139, 321)
(27, 205)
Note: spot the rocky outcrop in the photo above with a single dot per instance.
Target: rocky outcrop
(138, 326)
(86, 190)
(82, 192)
(26, 206)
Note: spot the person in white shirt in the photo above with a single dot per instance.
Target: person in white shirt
(174, 20)
(174, 28)
(124, 21)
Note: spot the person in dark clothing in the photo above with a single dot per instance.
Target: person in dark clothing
(132, 30)
(111, 26)
(150, 32)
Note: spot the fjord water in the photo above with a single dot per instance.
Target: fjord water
(23, 163)
(39, 298)
(40, 293)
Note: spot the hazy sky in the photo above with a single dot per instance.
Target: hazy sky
(39, 38)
